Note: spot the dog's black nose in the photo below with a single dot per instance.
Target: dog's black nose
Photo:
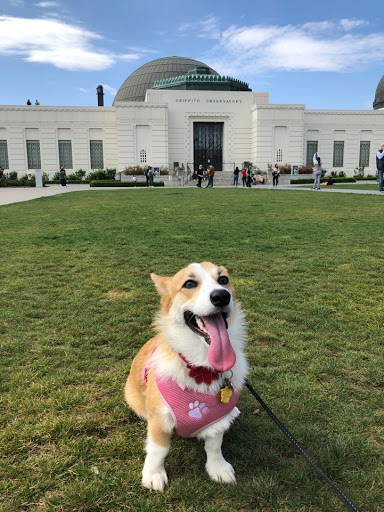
(220, 298)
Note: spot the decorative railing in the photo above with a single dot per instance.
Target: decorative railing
(179, 80)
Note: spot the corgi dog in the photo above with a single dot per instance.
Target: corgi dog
(187, 379)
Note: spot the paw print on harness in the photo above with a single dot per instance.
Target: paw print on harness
(197, 410)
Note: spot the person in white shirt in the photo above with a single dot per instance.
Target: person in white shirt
(380, 166)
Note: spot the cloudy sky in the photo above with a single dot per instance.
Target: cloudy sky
(327, 55)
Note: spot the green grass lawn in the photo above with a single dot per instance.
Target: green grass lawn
(354, 186)
(77, 303)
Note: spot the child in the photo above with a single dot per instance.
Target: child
(134, 180)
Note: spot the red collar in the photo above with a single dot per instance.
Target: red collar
(201, 373)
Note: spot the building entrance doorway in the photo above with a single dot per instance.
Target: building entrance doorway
(208, 145)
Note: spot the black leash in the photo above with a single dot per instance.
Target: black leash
(340, 493)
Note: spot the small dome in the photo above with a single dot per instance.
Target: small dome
(379, 96)
(136, 85)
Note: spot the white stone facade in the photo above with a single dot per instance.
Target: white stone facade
(159, 132)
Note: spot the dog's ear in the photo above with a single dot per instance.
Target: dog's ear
(163, 284)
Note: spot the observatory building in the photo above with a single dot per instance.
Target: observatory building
(177, 110)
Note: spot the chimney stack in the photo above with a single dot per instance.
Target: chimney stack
(100, 94)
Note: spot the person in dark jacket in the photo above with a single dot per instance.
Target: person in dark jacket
(200, 175)
(236, 177)
(63, 177)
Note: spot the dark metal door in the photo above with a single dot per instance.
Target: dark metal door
(208, 145)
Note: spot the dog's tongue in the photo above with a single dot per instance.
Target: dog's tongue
(220, 353)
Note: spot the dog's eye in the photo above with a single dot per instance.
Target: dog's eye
(190, 284)
(223, 280)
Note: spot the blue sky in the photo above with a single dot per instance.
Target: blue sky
(326, 55)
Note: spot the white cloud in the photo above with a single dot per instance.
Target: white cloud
(47, 4)
(251, 50)
(54, 42)
(344, 25)
(207, 29)
(109, 89)
(128, 56)
(141, 49)
(351, 24)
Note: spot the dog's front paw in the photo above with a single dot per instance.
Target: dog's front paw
(155, 481)
(222, 472)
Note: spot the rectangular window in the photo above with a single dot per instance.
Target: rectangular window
(365, 147)
(65, 154)
(311, 150)
(33, 154)
(96, 147)
(338, 153)
(4, 154)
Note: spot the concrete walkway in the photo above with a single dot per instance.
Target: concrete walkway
(15, 195)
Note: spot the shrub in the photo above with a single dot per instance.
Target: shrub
(101, 174)
(134, 170)
(340, 174)
(12, 175)
(28, 182)
(285, 169)
(359, 172)
(306, 169)
(80, 174)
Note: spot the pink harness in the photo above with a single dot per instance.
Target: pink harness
(191, 410)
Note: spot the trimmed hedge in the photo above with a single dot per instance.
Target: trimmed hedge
(310, 180)
(4, 182)
(114, 183)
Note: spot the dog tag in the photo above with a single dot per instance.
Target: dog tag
(226, 392)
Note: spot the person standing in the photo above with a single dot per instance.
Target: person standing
(211, 173)
(380, 167)
(244, 177)
(275, 175)
(200, 175)
(249, 177)
(236, 177)
(63, 176)
(150, 177)
(134, 180)
(318, 172)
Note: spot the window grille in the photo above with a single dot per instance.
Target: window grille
(96, 148)
(279, 155)
(65, 154)
(4, 154)
(33, 154)
(338, 154)
(365, 147)
(311, 150)
(143, 156)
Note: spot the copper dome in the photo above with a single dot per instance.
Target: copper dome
(136, 85)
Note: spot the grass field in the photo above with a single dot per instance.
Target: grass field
(350, 186)
(77, 303)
